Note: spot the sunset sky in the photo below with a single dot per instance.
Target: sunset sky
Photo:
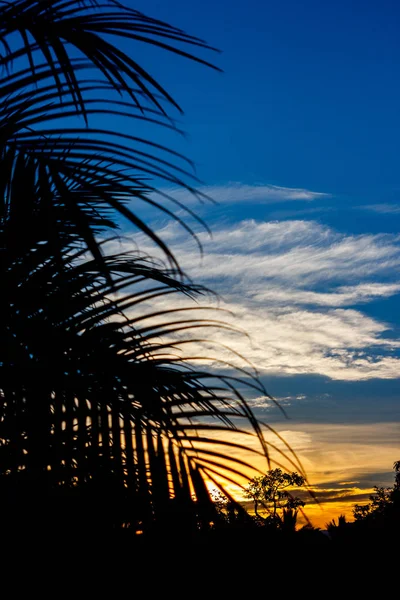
(298, 142)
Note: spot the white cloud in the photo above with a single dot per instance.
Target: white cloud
(262, 402)
(384, 208)
(343, 296)
(265, 403)
(296, 288)
(291, 252)
(236, 192)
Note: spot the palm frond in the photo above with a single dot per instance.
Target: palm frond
(103, 418)
(52, 27)
(124, 421)
(93, 173)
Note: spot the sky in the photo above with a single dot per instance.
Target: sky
(298, 143)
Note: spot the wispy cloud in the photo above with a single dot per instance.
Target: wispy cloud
(235, 192)
(297, 289)
(342, 296)
(384, 208)
(292, 252)
(264, 403)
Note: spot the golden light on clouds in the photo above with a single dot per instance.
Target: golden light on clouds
(342, 462)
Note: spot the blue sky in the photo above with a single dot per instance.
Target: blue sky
(309, 96)
(298, 141)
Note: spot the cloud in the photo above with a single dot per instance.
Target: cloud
(289, 252)
(234, 192)
(342, 296)
(358, 456)
(297, 288)
(265, 403)
(326, 495)
(384, 208)
(262, 402)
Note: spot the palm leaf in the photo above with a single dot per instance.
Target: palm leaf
(102, 417)
(115, 420)
(51, 27)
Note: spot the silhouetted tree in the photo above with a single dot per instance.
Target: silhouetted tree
(332, 525)
(230, 513)
(340, 531)
(271, 493)
(384, 508)
(102, 421)
(396, 467)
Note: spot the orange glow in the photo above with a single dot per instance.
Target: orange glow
(342, 462)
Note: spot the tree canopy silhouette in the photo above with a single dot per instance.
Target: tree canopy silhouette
(384, 508)
(272, 493)
(103, 421)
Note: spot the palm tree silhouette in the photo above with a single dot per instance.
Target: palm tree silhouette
(102, 423)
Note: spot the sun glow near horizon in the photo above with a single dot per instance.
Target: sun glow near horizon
(342, 462)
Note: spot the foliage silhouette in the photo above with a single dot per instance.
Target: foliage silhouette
(333, 526)
(376, 524)
(271, 493)
(104, 424)
(384, 509)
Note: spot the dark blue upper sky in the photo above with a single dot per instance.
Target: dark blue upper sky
(309, 97)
